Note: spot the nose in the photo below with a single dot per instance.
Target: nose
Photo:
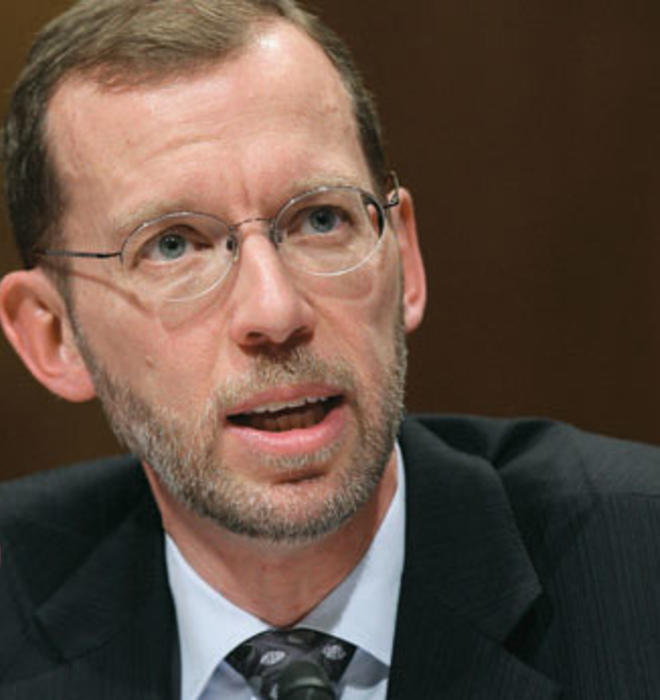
(268, 308)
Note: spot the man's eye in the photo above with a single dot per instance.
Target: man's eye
(321, 220)
(173, 245)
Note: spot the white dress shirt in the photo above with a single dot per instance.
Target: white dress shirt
(361, 610)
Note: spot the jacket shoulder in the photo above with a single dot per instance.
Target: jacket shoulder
(74, 497)
(541, 457)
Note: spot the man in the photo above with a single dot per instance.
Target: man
(214, 249)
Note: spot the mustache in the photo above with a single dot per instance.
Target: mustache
(270, 371)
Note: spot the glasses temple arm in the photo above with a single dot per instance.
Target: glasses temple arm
(44, 252)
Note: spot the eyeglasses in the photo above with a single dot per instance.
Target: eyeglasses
(330, 230)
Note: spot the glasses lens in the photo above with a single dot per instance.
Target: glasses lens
(329, 231)
(179, 256)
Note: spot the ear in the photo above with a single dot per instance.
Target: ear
(36, 322)
(414, 277)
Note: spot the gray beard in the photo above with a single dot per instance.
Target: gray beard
(183, 454)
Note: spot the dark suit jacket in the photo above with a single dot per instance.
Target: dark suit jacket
(532, 571)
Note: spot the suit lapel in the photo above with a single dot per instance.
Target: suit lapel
(467, 581)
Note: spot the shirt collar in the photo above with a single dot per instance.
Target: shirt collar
(361, 609)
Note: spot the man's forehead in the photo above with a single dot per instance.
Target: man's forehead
(278, 61)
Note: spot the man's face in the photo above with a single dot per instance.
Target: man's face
(271, 403)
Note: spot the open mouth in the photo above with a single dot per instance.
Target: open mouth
(293, 415)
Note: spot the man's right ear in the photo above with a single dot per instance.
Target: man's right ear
(36, 322)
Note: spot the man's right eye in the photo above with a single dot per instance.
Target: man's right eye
(173, 245)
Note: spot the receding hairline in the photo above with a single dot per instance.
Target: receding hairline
(113, 74)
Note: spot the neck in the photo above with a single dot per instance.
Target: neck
(277, 582)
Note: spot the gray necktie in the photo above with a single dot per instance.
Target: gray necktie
(271, 659)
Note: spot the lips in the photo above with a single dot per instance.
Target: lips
(277, 417)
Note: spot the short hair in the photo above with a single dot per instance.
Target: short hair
(121, 43)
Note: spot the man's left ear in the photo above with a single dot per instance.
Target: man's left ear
(414, 277)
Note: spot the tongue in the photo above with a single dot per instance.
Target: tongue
(286, 419)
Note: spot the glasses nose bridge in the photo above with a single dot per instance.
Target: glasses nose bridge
(268, 224)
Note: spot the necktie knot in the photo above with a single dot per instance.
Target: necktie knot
(264, 659)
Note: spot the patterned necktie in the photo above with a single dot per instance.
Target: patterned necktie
(264, 658)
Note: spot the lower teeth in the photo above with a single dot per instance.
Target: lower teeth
(288, 419)
(303, 418)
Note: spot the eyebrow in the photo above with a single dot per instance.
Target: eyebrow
(330, 180)
(124, 226)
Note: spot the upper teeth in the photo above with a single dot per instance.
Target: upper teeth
(279, 406)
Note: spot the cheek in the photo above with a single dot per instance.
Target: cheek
(182, 370)
(361, 326)
(135, 347)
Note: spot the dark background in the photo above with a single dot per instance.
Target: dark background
(530, 134)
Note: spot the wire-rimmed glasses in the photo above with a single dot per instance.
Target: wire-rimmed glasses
(326, 231)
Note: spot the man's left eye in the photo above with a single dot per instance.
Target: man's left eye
(321, 220)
